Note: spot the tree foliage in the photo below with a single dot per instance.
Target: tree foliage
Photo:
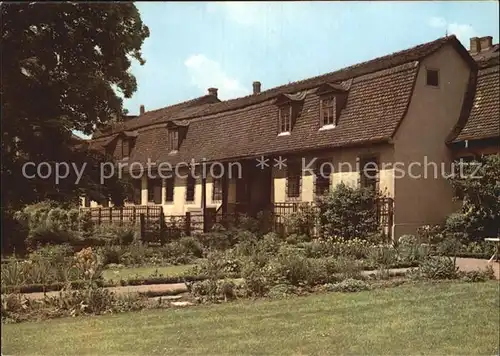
(61, 66)
(478, 184)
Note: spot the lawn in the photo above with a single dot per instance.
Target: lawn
(132, 272)
(446, 318)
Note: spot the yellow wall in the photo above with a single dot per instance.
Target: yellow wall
(432, 114)
(346, 170)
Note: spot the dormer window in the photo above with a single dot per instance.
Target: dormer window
(285, 119)
(173, 139)
(327, 111)
(125, 147)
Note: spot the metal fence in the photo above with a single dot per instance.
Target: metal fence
(156, 227)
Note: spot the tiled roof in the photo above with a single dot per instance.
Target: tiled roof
(484, 118)
(379, 92)
(159, 115)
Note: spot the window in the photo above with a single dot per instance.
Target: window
(134, 194)
(369, 173)
(293, 180)
(173, 139)
(322, 173)
(190, 187)
(154, 190)
(169, 189)
(217, 184)
(125, 146)
(327, 111)
(285, 118)
(432, 77)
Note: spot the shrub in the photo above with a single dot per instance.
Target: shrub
(407, 240)
(49, 224)
(111, 254)
(438, 268)
(192, 246)
(349, 285)
(280, 291)
(213, 290)
(302, 221)
(256, 283)
(478, 275)
(217, 265)
(117, 234)
(218, 240)
(383, 256)
(430, 234)
(348, 212)
(54, 254)
(355, 248)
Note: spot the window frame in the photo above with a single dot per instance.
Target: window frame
(216, 186)
(190, 180)
(169, 184)
(322, 185)
(173, 139)
(427, 72)
(293, 181)
(368, 182)
(282, 122)
(153, 196)
(323, 109)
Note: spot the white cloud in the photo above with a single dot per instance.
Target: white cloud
(463, 31)
(206, 73)
(437, 22)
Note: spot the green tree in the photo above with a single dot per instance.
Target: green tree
(61, 67)
(477, 183)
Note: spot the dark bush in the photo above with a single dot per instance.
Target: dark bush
(348, 212)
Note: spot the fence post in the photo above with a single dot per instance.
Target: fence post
(111, 215)
(134, 219)
(187, 225)
(121, 216)
(142, 226)
(162, 227)
(99, 217)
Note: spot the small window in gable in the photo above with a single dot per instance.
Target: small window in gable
(433, 77)
(173, 139)
(327, 110)
(285, 119)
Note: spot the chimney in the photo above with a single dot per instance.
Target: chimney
(142, 110)
(256, 88)
(485, 43)
(475, 45)
(212, 91)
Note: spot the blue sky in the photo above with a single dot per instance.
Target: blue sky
(197, 45)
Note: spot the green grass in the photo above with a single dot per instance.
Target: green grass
(132, 272)
(445, 318)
